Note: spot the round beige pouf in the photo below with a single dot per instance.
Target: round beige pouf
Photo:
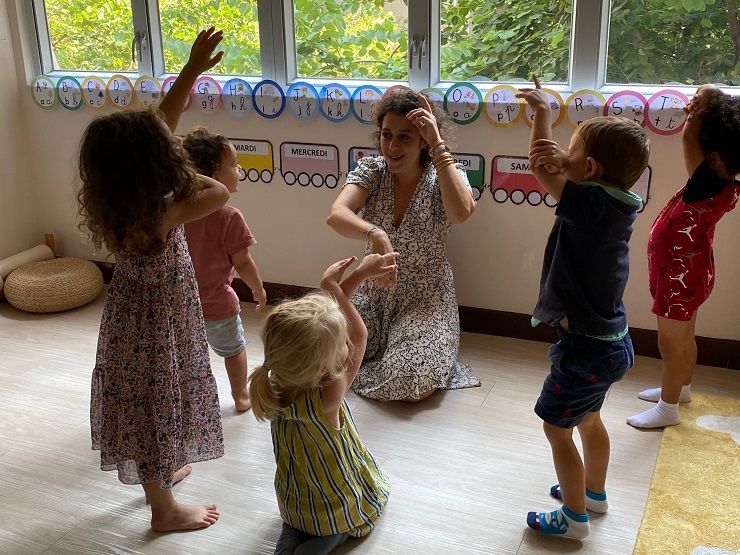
(53, 285)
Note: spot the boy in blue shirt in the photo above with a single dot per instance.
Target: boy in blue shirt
(584, 274)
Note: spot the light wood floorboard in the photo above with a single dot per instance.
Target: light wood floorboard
(465, 465)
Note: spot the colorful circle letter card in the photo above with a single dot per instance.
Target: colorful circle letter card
(364, 100)
(207, 94)
(665, 113)
(237, 97)
(268, 99)
(147, 91)
(334, 101)
(94, 92)
(43, 91)
(167, 85)
(502, 106)
(463, 102)
(302, 100)
(556, 105)
(582, 105)
(627, 104)
(120, 91)
(69, 93)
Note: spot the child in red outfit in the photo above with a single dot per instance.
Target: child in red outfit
(219, 246)
(680, 255)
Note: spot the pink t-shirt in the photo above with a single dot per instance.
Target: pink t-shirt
(212, 242)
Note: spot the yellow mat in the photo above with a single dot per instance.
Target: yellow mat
(693, 507)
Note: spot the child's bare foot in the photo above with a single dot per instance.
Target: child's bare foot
(185, 517)
(182, 473)
(242, 402)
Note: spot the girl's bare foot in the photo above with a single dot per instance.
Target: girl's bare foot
(182, 473)
(185, 517)
(242, 401)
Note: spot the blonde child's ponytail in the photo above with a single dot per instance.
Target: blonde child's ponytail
(265, 399)
(302, 341)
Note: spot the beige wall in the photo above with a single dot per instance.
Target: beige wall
(496, 255)
(19, 223)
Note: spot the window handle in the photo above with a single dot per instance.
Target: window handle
(423, 49)
(135, 44)
(413, 49)
(138, 44)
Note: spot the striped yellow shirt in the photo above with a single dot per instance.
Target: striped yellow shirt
(326, 481)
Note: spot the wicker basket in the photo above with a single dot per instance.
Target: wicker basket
(53, 285)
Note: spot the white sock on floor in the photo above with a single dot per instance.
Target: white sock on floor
(661, 415)
(654, 394)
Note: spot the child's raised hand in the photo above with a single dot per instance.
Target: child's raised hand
(700, 99)
(535, 97)
(333, 274)
(547, 153)
(201, 53)
(376, 265)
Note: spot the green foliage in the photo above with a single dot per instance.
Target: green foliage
(663, 41)
(503, 41)
(650, 41)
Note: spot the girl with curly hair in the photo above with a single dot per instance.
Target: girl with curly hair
(154, 404)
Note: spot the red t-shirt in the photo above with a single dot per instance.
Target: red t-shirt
(212, 242)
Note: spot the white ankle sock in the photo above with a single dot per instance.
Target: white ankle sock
(661, 415)
(654, 394)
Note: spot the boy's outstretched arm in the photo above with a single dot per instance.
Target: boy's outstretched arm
(541, 138)
(201, 60)
(693, 154)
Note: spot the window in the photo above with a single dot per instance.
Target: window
(666, 41)
(360, 39)
(571, 44)
(94, 35)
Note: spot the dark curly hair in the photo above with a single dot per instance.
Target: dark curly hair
(205, 149)
(128, 164)
(402, 101)
(720, 129)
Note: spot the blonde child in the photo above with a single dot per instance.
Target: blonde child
(219, 246)
(680, 255)
(328, 486)
(584, 274)
(154, 405)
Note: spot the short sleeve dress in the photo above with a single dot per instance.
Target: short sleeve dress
(154, 404)
(680, 252)
(413, 328)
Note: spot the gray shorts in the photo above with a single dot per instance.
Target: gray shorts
(226, 337)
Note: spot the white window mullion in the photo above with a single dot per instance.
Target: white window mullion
(277, 40)
(148, 37)
(38, 32)
(419, 39)
(589, 44)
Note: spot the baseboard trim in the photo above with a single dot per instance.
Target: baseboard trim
(722, 353)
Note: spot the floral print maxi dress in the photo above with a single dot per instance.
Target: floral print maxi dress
(413, 328)
(154, 404)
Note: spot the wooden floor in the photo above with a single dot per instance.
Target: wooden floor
(465, 465)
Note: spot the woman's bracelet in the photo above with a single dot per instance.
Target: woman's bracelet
(439, 147)
(370, 230)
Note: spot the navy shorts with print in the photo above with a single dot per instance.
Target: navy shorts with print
(582, 369)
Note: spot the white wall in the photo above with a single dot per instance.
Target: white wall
(19, 222)
(496, 255)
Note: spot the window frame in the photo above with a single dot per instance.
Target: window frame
(587, 65)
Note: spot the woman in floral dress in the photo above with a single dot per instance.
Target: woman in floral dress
(406, 201)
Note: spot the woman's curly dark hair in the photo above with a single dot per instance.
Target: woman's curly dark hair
(720, 129)
(402, 101)
(205, 149)
(128, 164)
